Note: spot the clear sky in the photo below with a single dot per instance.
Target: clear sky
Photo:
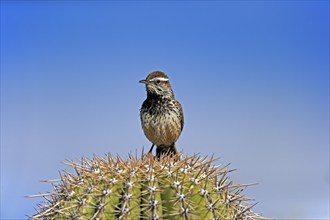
(252, 77)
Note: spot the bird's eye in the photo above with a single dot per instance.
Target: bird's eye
(158, 81)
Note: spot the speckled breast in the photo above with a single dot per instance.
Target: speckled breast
(161, 129)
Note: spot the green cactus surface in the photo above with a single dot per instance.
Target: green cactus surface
(146, 188)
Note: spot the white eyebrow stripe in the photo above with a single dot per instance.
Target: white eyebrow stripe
(160, 79)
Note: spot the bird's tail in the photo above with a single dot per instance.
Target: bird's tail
(163, 150)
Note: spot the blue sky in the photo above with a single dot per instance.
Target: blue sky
(252, 77)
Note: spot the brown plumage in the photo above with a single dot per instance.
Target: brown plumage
(161, 114)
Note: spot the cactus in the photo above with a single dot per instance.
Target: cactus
(147, 188)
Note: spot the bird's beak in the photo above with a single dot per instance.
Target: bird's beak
(143, 81)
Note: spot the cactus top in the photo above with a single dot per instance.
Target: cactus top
(146, 188)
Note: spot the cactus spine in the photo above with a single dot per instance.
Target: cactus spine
(146, 188)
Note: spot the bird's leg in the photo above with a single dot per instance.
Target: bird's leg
(152, 147)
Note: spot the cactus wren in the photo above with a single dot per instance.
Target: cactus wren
(161, 114)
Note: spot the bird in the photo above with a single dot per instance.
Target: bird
(161, 114)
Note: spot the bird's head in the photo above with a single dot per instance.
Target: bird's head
(157, 83)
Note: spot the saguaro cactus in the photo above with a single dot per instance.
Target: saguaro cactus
(146, 188)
